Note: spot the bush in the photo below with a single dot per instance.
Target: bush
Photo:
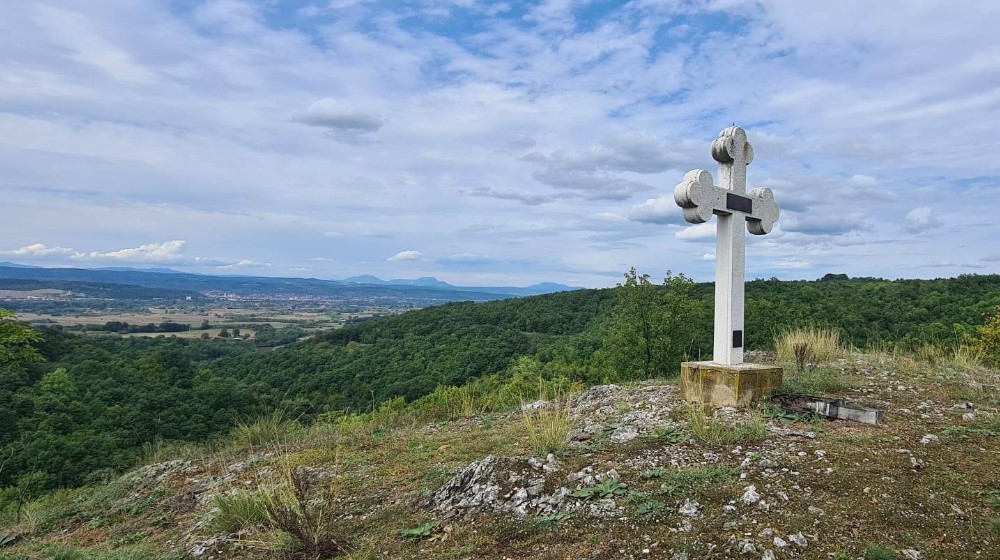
(986, 342)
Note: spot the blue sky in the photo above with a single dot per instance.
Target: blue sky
(491, 143)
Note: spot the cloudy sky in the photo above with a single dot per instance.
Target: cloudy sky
(495, 142)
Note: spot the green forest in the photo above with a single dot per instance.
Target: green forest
(75, 409)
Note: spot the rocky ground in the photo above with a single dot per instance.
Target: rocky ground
(633, 480)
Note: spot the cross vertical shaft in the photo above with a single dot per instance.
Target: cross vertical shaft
(730, 251)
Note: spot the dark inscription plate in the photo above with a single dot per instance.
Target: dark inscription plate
(739, 203)
(737, 339)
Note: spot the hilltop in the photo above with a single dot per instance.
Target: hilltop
(650, 479)
(393, 422)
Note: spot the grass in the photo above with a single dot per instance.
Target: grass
(684, 482)
(382, 461)
(304, 509)
(820, 380)
(875, 552)
(712, 431)
(238, 511)
(808, 347)
(265, 432)
(548, 426)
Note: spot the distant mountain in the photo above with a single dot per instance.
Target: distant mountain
(365, 279)
(366, 288)
(15, 265)
(133, 269)
(431, 282)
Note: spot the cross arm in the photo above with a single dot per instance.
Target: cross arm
(700, 199)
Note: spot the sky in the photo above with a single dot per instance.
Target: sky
(495, 143)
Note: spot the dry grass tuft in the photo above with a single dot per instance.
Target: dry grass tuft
(548, 426)
(808, 347)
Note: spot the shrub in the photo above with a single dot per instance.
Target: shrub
(986, 342)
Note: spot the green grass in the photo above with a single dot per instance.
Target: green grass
(682, 483)
(876, 552)
(238, 511)
(712, 431)
(265, 432)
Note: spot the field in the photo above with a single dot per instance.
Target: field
(218, 317)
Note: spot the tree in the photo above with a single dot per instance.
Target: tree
(16, 341)
(651, 327)
(987, 339)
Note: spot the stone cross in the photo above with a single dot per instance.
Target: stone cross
(700, 199)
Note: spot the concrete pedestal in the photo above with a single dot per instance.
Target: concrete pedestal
(724, 385)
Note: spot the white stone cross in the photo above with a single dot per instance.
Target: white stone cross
(700, 199)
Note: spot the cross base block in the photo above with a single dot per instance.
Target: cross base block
(738, 385)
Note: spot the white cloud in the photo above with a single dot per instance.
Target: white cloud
(864, 181)
(920, 220)
(244, 263)
(334, 115)
(168, 252)
(406, 256)
(708, 256)
(37, 250)
(817, 223)
(706, 230)
(514, 139)
(660, 210)
(792, 264)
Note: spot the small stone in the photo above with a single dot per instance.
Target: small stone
(799, 540)
(689, 508)
(766, 533)
(969, 417)
(911, 554)
(645, 552)
(729, 508)
(624, 433)
(768, 555)
(929, 438)
(679, 556)
(578, 435)
(730, 525)
(780, 542)
(748, 547)
(815, 510)
(750, 495)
